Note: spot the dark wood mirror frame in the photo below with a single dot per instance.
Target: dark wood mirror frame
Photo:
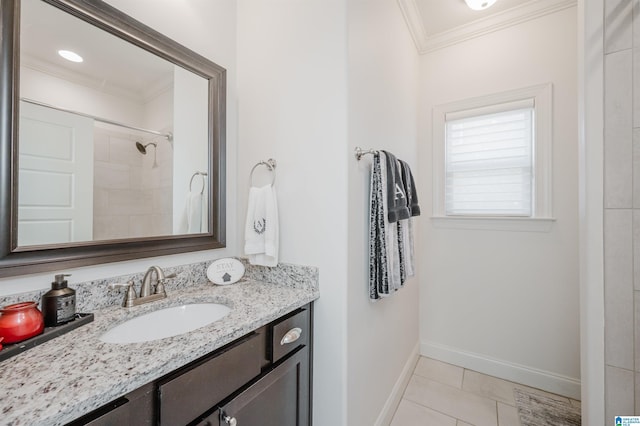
(21, 261)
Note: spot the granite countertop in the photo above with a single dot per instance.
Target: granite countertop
(76, 373)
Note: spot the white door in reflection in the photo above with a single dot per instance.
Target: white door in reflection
(55, 195)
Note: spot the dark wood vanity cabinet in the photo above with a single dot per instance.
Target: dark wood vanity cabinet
(263, 378)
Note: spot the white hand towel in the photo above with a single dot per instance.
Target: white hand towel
(261, 228)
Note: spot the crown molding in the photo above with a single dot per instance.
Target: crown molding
(516, 15)
(413, 18)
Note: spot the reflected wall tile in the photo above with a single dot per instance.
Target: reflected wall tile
(636, 297)
(140, 225)
(636, 23)
(636, 167)
(637, 393)
(618, 297)
(619, 392)
(618, 33)
(110, 227)
(618, 144)
(100, 147)
(636, 88)
(109, 175)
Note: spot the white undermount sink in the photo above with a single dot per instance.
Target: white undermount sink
(165, 322)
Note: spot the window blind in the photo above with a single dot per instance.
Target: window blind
(489, 163)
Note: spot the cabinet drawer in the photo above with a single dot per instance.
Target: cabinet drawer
(135, 408)
(289, 334)
(212, 419)
(195, 391)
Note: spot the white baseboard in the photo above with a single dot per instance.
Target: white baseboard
(545, 380)
(389, 408)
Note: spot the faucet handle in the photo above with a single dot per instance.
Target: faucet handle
(160, 284)
(130, 294)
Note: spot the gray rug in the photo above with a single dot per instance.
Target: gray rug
(541, 410)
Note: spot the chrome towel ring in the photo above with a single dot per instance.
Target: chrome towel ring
(203, 174)
(270, 164)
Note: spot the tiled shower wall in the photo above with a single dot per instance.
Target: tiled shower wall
(622, 207)
(131, 199)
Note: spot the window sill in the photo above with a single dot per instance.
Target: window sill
(518, 224)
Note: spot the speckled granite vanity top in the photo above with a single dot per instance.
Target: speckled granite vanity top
(76, 373)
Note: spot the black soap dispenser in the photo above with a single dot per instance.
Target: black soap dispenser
(59, 303)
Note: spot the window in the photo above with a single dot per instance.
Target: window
(492, 158)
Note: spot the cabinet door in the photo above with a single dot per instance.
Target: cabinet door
(280, 398)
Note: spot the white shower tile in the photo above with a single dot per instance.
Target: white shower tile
(636, 249)
(109, 175)
(100, 147)
(618, 144)
(618, 275)
(109, 227)
(636, 297)
(618, 33)
(636, 88)
(619, 390)
(637, 392)
(636, 23)
(123, 151)
(162, 224)
(131, 201)
(636, 166)
(140, 225)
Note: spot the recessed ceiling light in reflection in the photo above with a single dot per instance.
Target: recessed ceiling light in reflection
(479, 4)
(70, 56)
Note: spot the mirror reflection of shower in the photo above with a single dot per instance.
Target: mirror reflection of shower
(143, 151)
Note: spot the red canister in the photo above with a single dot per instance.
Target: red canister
(20, 321)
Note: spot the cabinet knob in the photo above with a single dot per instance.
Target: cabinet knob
(291, 336)
(231, 421)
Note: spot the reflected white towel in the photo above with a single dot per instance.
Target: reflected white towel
(261, 227)
(194, 213)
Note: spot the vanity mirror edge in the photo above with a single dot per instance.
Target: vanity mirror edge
(20, 261)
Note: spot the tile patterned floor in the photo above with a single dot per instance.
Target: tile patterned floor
(441, 394)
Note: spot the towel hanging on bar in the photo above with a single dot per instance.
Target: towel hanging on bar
(391, 253)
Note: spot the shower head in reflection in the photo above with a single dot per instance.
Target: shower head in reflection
(143, 151)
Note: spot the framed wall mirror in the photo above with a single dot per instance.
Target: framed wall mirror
(112, 139)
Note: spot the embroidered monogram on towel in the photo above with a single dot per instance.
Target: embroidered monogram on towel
(261, 227)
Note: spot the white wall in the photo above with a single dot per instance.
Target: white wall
(292, 77)
(506, 303)
(212, 33)
(382, 336)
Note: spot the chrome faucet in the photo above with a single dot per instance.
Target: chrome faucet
(146, 296)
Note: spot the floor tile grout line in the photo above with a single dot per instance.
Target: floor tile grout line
(433, 409)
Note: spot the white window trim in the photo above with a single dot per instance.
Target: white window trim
(542, 217)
